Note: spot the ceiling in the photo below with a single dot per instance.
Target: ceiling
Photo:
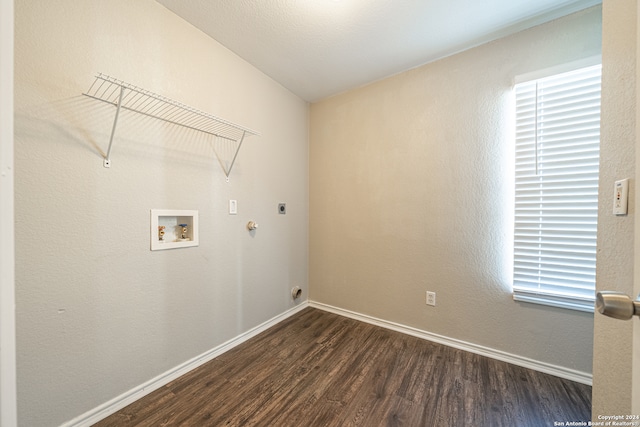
(318, 48)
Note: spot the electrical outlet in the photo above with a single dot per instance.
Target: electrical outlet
(431, 298)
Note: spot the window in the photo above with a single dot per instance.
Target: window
(556, 189)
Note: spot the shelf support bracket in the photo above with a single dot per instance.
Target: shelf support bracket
(235, 155)
(107, 158)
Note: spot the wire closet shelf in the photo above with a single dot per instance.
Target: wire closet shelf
(129, 97)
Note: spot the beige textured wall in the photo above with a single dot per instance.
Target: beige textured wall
(98, 313)
(411, 190)
(612, 355)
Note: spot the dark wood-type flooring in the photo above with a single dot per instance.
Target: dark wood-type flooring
(320, 369)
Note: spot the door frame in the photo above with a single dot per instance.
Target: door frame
(8, 395)
(635, 370)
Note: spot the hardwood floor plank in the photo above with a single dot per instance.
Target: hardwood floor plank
(321, 369)
(257, 385)
(311, 394)
(378, 400)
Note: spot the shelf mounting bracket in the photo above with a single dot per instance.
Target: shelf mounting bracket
(107, 158)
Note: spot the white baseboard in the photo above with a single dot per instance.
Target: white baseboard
(547, 368)
(114, 405)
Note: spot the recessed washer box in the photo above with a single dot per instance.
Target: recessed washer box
(173, 228)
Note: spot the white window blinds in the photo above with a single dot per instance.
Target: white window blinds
(556, 189)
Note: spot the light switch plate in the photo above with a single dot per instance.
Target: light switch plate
(233, 207)
(621, 197)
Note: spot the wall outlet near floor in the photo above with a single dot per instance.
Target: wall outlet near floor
(431, 298)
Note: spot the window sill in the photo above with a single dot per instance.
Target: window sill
(553, 301)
